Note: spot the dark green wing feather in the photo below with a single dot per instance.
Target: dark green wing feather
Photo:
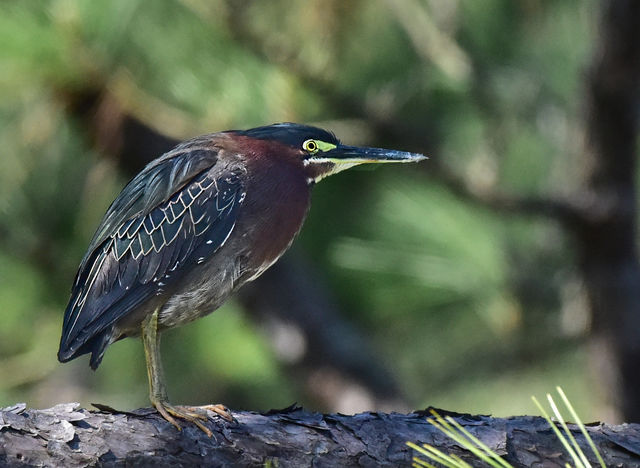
(175, 214)
(155, 184)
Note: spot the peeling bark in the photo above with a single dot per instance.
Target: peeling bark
(67, 435)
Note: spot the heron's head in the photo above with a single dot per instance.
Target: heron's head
(318, 151)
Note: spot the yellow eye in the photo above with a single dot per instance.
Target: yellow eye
(310, 146)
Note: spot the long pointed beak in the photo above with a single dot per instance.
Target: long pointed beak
(343, 154)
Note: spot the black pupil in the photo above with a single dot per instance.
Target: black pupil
(311, 145)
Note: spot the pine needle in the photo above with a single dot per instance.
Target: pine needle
(576, 459)
(454, 430)
(582, 427)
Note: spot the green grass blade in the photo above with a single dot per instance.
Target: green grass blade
(561, 438)
(569, 434)
(419, 462)
(458, 436)
(438, 456)
(460, 461)
(575, 417)
(454, 430)
(500, 462)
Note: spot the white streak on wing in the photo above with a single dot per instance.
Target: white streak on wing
(136, 229)
(135, 257)
(145, 225)
(229, 203)
(145, 253)
(226, 238)
(199, 219)
(164, 239)
(206, 228)
(85, 291)
(177, 232)
(168, 214)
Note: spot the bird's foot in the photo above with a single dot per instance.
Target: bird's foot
(192, 414)
(220, 410)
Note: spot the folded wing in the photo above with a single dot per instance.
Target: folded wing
(146, 241)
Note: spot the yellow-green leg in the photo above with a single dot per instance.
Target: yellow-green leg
(157, 389)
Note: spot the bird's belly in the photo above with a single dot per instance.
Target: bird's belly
(205, 289)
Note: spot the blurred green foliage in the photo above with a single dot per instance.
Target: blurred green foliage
(467, 307)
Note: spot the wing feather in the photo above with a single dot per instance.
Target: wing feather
(132, 259)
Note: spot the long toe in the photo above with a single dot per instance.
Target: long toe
(169, 412)
(220, 410)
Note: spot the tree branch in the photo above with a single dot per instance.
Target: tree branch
(67, 435)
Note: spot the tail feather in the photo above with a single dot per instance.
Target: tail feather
(96, 345)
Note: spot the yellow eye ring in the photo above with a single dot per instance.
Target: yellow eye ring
(310, 146)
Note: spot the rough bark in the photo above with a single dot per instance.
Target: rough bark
(67, 435)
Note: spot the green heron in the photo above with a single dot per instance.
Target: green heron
(192, 227)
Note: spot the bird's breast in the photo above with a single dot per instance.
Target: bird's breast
(271, 215)
(274, 210)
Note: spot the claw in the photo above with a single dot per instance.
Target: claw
(157, 390)
(220, 410)
(168, 412)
